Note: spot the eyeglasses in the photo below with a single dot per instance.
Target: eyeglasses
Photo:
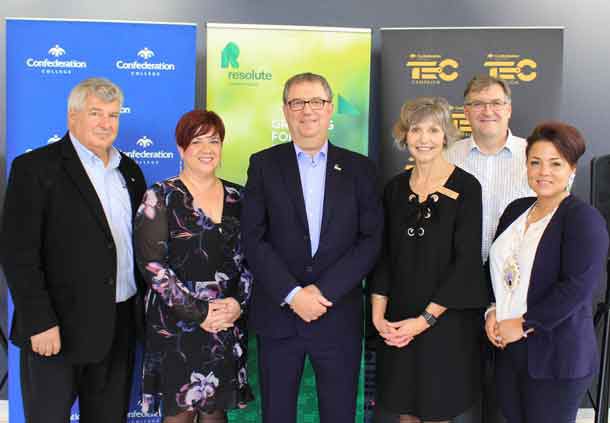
(479, 106)
(299, 104)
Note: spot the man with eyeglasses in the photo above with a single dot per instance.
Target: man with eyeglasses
(311, 224)
(496, 158)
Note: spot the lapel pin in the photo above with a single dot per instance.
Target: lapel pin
(132, 179)
(337, 168)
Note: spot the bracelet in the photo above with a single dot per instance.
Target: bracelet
(429, 318)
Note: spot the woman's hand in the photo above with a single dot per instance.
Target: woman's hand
(405, 331)
(383, 327)
(491, 329)
(510, 330)
(233, 308)
(218, 317)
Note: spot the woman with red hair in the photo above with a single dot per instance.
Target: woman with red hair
(188, 247)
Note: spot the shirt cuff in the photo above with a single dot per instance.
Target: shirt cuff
(491, 308)
(291, 295)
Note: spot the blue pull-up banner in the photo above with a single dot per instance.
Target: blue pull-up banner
(153, 63)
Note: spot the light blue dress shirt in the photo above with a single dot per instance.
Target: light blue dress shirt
(112, 192)
(312, 170)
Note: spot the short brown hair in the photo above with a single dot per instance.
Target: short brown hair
(481, 82)
(414, 111)
(307, 77)
(195, 123)
(567, 139)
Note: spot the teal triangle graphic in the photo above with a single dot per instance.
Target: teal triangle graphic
(345, 107)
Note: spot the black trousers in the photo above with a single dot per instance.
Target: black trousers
(526, 400)
(50, 385)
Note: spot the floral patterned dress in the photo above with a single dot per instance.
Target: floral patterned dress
(188, 261)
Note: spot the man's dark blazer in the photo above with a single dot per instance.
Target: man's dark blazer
(277, 245)
(58, 252)
(567, 269)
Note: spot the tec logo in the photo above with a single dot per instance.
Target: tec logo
(432, 68)
(511, 67)
(459, 120)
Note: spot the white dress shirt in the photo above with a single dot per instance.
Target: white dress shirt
(112, 192)
(522, 245)
(503, 178)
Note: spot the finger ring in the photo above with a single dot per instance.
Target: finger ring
(498, 338)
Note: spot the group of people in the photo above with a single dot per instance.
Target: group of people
(476, 237)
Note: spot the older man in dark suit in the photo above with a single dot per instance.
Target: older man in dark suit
(312, 224)
(67, 253)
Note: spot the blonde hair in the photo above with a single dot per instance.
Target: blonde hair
(419, 109)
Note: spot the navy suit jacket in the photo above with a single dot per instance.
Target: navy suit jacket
(277, 246)
(567, 269)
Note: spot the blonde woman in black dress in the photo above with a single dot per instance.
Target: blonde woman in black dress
(428, 288)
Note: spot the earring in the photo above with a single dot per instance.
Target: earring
(570, 182)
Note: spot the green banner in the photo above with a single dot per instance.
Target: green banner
(247, 66)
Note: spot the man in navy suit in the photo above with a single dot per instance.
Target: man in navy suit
(312, 224)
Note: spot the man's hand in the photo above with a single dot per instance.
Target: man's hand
(309, 303)
(47, 343)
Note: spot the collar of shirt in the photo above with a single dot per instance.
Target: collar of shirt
(87, 156)
(301, 155)
(509, 145)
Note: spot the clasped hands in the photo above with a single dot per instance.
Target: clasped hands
(400, 334)
(222, 315)
(309, 303)
(504, 332)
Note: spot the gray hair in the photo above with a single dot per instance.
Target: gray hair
(307, 77)
(482, 82)
(102, 88)
(419, 109)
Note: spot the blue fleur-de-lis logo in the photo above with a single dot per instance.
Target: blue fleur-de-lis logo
(144, 142)
(53, 139)
(146, 53)
(56, 51)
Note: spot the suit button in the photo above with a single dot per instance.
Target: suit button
(309, 269)
(110, 246)
(306, 237)
(110, 281)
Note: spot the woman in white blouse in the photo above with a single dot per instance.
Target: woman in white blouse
(545, 263)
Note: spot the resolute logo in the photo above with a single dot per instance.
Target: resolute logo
(228, 59)
(512, 68)
(145, 68)
(146, 156)
(229, 56)
(54, 65)
(432, 68)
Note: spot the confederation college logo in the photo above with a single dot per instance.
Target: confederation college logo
(146, 154)
(144, 68)
(52, 65)
(229, 60)
(428, 69)
(511, 67)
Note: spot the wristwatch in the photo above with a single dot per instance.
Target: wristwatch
(429, 318)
